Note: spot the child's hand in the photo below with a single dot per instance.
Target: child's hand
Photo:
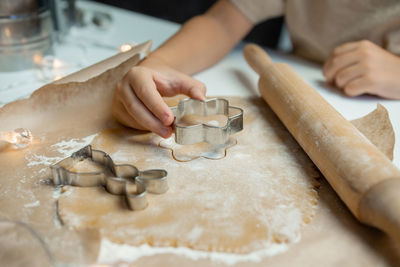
(363, 67)
(138, 99)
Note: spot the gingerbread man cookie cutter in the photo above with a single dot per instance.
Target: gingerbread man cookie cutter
(192, 134)
(118, 179)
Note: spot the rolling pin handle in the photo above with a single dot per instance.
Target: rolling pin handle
(380, 207)
(257, 58)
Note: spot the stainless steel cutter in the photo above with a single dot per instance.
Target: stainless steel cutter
(187, 135)
(118, 179)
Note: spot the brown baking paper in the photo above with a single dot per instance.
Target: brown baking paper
(79, 106)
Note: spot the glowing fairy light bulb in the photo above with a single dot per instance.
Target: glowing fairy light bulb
(125, 47)
(19, 137)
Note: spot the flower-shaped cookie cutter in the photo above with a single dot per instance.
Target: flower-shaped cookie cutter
(118, 179)
(192, 134)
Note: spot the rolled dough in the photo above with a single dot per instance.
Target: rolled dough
(262, 192)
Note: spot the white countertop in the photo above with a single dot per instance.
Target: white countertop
(231, 76)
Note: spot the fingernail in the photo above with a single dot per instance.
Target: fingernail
(165, 118)
(200, 97)
(165, 132)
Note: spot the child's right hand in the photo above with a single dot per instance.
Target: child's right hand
(200, 43)
(138, 101)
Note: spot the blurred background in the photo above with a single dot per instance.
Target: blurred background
(44, 40)
(266, 34)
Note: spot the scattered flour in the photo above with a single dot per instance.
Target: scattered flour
(111, 253)
(33, 204)
(41, 160)
(65, 148)
(195, 233)
(123, 156)
(213, 123)
(57, 192)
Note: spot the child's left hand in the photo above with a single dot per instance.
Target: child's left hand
(363, 67)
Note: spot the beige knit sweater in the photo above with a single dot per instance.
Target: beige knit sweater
(318, 26)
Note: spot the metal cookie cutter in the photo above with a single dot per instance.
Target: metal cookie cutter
(187, 135)
(118, 179)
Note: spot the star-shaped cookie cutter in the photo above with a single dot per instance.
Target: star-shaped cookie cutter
(192, 134)
(118, 179)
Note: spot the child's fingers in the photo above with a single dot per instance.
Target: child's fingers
(141, 81)
(180, 83)
(356, 87)
(345, 55)
(334, 64)
(345, 48)
(347, 74)
(123, 117)
(139, 112)
(140, 97)
(193, 88)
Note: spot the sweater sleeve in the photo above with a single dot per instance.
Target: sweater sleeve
(259, 10)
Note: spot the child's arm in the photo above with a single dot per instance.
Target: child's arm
(363, 67)
(200, 43)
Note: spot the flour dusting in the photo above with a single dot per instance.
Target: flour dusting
(111, 253)
(41, 160)
(57, 192)
(65, 148)
(33, 204)
(122, 156)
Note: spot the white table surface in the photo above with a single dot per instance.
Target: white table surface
(231, 76)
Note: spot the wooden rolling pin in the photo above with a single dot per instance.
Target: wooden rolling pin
(364, 178)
